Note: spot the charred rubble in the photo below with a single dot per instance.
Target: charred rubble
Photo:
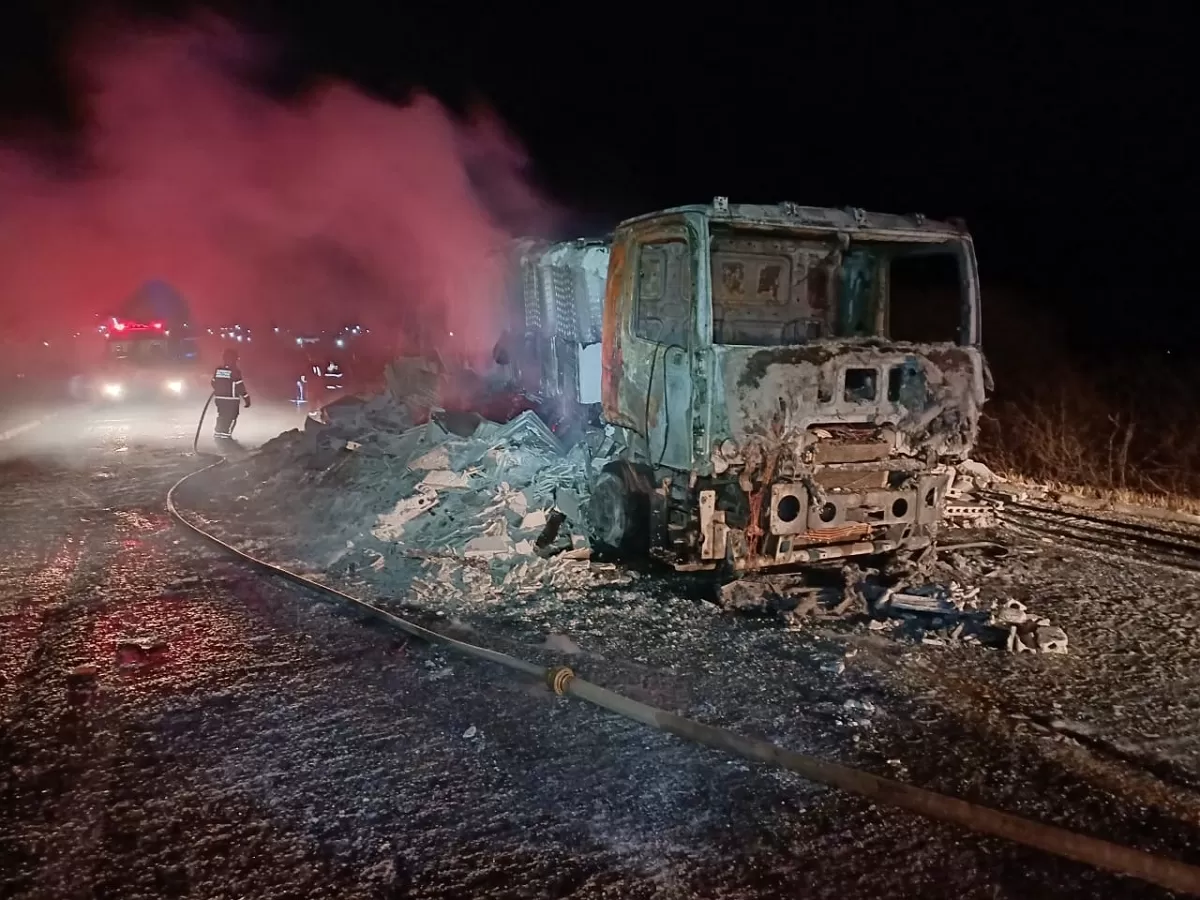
(489, 496)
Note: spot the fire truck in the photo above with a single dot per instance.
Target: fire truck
(149, 353)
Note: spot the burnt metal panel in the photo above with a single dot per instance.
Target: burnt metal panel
(851, 479)
(533, 301)
(647, 380)
(562, 284)
(615, 308)
(867, 451)
(789, 508)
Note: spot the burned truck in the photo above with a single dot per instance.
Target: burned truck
(770, 386)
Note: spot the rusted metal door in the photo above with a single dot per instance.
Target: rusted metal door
(650, 314)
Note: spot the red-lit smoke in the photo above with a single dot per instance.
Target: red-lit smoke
(310, 213)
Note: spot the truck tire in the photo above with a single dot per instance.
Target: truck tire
(619, 512)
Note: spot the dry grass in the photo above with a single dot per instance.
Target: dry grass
(1128, 436)
(1179, 506)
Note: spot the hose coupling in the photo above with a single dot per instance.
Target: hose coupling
(558, 678)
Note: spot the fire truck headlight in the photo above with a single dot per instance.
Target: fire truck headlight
(175, 387)
(113, 390)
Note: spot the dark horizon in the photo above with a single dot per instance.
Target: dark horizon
(1051, 134)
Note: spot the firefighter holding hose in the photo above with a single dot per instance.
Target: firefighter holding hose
(229, 391)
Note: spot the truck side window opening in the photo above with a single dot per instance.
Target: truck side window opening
(925, 302)
(663, 306)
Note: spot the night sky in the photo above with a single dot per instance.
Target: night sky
(1059, 137)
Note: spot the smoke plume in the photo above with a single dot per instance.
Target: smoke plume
(310, 213)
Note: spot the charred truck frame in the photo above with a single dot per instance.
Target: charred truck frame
(774, 385)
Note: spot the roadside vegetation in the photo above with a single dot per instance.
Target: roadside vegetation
(1119, 427)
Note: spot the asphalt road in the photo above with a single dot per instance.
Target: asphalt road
(228, 737)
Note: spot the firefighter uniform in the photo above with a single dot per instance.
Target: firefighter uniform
(229, 392)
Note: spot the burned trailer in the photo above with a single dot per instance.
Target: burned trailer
(557, 293)
(777, 385)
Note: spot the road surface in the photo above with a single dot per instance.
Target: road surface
(172, 725)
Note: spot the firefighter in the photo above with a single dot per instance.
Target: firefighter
(229, 391)
(333, 376)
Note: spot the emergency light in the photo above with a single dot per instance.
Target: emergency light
(130, 325)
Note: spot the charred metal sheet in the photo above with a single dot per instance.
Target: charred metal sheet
(796, 215)
(649, 384)
(868, 451)
(614, 364)
(870, 507)
(789, 508)
(851, 479)
(852, 532)
(793, 392)
(826, 553)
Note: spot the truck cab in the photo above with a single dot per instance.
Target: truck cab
(777, 385)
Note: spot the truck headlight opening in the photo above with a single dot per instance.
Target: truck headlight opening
(113, 390)
(175, 387)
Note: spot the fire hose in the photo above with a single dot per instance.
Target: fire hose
(1168, 873)
(200, 424)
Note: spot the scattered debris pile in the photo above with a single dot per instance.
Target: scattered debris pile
(433, 496)
(501, 491)
(940, 614)
(965, 508)
(395, 477)
(936, 614)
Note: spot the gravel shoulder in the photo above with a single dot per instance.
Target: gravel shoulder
(236, 737)
(1044, 736)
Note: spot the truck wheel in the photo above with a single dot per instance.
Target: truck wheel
(619, 512)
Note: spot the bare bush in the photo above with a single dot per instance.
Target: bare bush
(1129, 430)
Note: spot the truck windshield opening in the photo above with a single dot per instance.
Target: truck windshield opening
(777, 289)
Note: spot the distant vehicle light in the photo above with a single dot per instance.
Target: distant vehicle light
(113, 390)
(175, 387)
(340, 343)
(239, 337)
(158, 326)
(118, 326)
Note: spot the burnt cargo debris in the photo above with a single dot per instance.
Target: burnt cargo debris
(777, 385)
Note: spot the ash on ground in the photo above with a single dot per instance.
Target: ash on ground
(951, 637)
